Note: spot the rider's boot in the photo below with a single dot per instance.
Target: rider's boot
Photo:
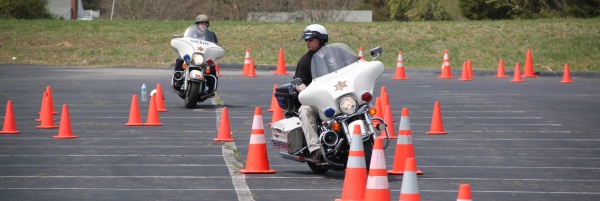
(316, 156)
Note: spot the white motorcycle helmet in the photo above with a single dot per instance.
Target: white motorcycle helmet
(315, 31)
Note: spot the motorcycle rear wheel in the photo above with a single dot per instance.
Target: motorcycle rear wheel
(191, 98)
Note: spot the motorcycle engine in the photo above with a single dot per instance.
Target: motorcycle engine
(330, 138)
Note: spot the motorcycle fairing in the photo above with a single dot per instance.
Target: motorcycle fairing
(324, 91)
(189, 46)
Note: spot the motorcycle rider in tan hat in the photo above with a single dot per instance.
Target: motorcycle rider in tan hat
(200, 31)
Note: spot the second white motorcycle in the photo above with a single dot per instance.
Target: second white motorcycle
(341, 92)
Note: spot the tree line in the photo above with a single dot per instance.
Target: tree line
(383, 10)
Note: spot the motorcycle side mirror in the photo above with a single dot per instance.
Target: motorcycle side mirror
(176, 36)
(376, 51)
(296, 81)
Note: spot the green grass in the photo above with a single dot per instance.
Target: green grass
(141, 43)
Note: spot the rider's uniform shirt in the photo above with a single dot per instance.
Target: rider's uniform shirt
(303, 68)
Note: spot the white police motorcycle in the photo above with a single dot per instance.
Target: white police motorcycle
(198, 56)
(341, 92)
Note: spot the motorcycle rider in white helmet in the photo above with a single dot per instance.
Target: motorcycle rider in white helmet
(315, 36)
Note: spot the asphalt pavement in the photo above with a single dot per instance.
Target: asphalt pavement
(534, 140)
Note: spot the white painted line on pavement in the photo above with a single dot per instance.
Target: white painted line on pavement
(584, 140)
(306, 190)
(513, 167)
(494, 157)
(238, 179)
(108, 155)
(122, 146)
(115, 165)
(299, 177)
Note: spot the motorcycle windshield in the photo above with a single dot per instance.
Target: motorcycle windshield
(192, 32)
(331, 58)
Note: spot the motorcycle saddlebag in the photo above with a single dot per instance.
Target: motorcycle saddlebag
(287, 97)
(287, 133)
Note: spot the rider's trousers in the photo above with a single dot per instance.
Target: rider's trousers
(308, 117)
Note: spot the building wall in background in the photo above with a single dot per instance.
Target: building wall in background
(313, 16)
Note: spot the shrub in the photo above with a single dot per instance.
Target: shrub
(24, 9)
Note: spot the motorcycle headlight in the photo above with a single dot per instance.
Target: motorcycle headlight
(348, 104)
(198, 59)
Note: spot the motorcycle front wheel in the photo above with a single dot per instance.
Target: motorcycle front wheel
(368, 149)
(191, 98)
(316, 168)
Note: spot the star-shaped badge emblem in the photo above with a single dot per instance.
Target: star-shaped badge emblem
(340, 85)
(200, 49)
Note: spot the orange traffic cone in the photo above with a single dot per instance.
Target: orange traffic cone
(566, 75)
(500, 73)
(160, 99)
(400, 74)
(257, 160)
(46, 102)
(246, 63)
(64, 131)
(153, 119)
(387, 117)
(384, 103)
(51, 105)
(404, 145)
(218, 70)
(385, 100)
(470, 68)
(404, 128)
(383, 91)
(379, 110)
(42, 107)
(355, 179)
(465, 73)
(517, 76)
(528, 70)
(277, 115)
(446, 71)
(437, 127)
(251, 70)
(377, 182)
(47, 120)
(134, 113)
(464, 193)
(224, 128)
(274, 102)
(280, 64)
(9, 127)
(360, 53)
(410, 187)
